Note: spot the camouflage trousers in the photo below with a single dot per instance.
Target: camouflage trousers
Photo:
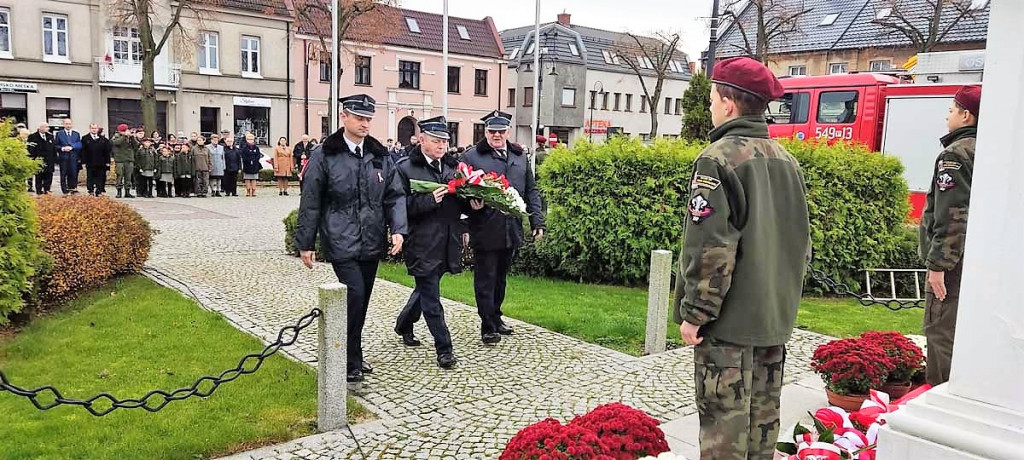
(124, 173)
(738, 390)
(939, 329)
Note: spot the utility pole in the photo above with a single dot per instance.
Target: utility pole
(712, 44)
(333, 107)
(444, 65)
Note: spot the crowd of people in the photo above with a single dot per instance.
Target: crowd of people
(153, 166)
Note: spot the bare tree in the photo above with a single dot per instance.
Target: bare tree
(924, 31)
(164, 17)
(650, 59)
(762, 23)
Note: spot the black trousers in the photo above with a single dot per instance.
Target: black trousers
(44, 180)
(358, 276)
(31, 188)
(96, 179)
(69, 172)
(489, 273)
(143, 185)
(163, 189)
(426, 301)
(230, 182)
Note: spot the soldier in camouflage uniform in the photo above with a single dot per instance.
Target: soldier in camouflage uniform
(944, 229)
(124, 160)
(746, 244)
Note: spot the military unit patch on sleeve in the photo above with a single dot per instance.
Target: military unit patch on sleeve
(702, 181)
(945, 182)
(699, 208)
(949, 165)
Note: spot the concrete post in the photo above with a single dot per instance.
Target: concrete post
(657, 301)
(331, 357)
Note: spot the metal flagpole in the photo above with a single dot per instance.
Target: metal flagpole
(536, 85)
(444, 65)
(333, 108)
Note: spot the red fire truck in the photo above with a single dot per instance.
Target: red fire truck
(878, 110)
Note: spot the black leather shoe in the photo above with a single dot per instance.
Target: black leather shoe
(504, 329)
(355, 376)
(410, 340)
(367, 368)
(491, 338)
(446, 361)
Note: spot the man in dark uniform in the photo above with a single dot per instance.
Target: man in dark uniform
(96, 151)
(351, 195)
(944, 229)
(435, 236)
(746, 243)
(42, 145)
(495, 237)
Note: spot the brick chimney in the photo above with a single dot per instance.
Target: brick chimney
(563, 19)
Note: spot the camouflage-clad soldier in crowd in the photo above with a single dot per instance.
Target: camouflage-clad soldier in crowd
(741, 271)
(944, 229)
(124, 160)
(184, 171)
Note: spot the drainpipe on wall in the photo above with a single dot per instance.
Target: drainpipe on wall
(288, 78)
(305, 85)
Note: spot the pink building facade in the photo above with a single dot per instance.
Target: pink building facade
(404, 72)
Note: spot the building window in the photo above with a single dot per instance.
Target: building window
(325, 127)
(454, 80)
(127, 46)
(604, 101)
(568, 97)
(530, 49)
(463, 33)
(679, 106)
(14, 105)
(837, 67)
(881, 65)
(5, 32)
(574, 49)
(511, 97)
(668, 106)
(528, 96)
(797, 70)
(837, 107)
(792, 108)
(643, 104)
(515, 52)
(209, 48)
(453, 131)
(55, 37)
(618, 100)
(255, 120)
(478, 132)
(414, 26)
(325, 71)
(480, 86)
(363, 70)
(209, 121)
(250, 56)
(57, 110)
(408, 74)
(829, 19)
(629, 102)
(607, 56)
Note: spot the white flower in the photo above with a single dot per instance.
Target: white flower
(665, 456)
(515, 199)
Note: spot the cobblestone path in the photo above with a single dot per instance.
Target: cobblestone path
(228, 253)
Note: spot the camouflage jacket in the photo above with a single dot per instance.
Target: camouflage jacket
(124, 148)
(145, 158)
(944, 221)
(183, 164)
(747, 238)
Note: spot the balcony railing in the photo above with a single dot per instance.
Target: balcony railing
(131, 74)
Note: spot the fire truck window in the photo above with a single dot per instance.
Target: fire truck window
(837, 107)
(792, 108)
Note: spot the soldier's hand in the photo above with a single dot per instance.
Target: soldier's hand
(937, 281)
(538, 234)
(440, 193)
(476, 204)
(396, 244)
(465, 239)
(307, 258)
(689, 333)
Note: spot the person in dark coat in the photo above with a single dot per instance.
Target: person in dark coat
(352, 194)
(96, 149)
(69, 149)
(43, 146)
(495, 237)
(435, 236)
(303, 147)
(251, 166)
(232, 165)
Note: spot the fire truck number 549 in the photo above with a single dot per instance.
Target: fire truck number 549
(831, 132)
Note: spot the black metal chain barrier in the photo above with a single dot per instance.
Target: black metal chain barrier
(158, 399)
(866, 300)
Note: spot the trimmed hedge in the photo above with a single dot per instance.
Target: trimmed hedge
(610, 205)
(21, 255)
(90, 240)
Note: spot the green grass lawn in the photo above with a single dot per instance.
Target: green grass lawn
(133, 336)
(615, 317)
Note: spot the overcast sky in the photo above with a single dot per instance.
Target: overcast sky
(688, 18)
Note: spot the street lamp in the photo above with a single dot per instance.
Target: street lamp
(598, 89)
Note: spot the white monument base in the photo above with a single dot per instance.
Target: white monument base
(942, 426)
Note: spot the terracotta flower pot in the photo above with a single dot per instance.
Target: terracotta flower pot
(895, 390)
(848, 403)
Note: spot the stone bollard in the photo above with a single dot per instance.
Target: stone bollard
(657, 301)
(331, 358)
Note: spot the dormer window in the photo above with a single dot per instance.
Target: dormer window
(463, 33)
(414, 26)
(829, 19)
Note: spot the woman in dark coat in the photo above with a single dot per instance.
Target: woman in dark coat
(232, 165)
(251, 155)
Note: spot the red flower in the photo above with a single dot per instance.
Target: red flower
(550, 439)
(504, 182)
(627, 433)
(455, 184)
(831, 419)
(852, 366)
(907, 357)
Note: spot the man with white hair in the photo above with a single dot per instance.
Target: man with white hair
(301, 148)
(43, 146)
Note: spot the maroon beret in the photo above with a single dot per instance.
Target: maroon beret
(122, 128)
(969, 97)
(748, 75)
